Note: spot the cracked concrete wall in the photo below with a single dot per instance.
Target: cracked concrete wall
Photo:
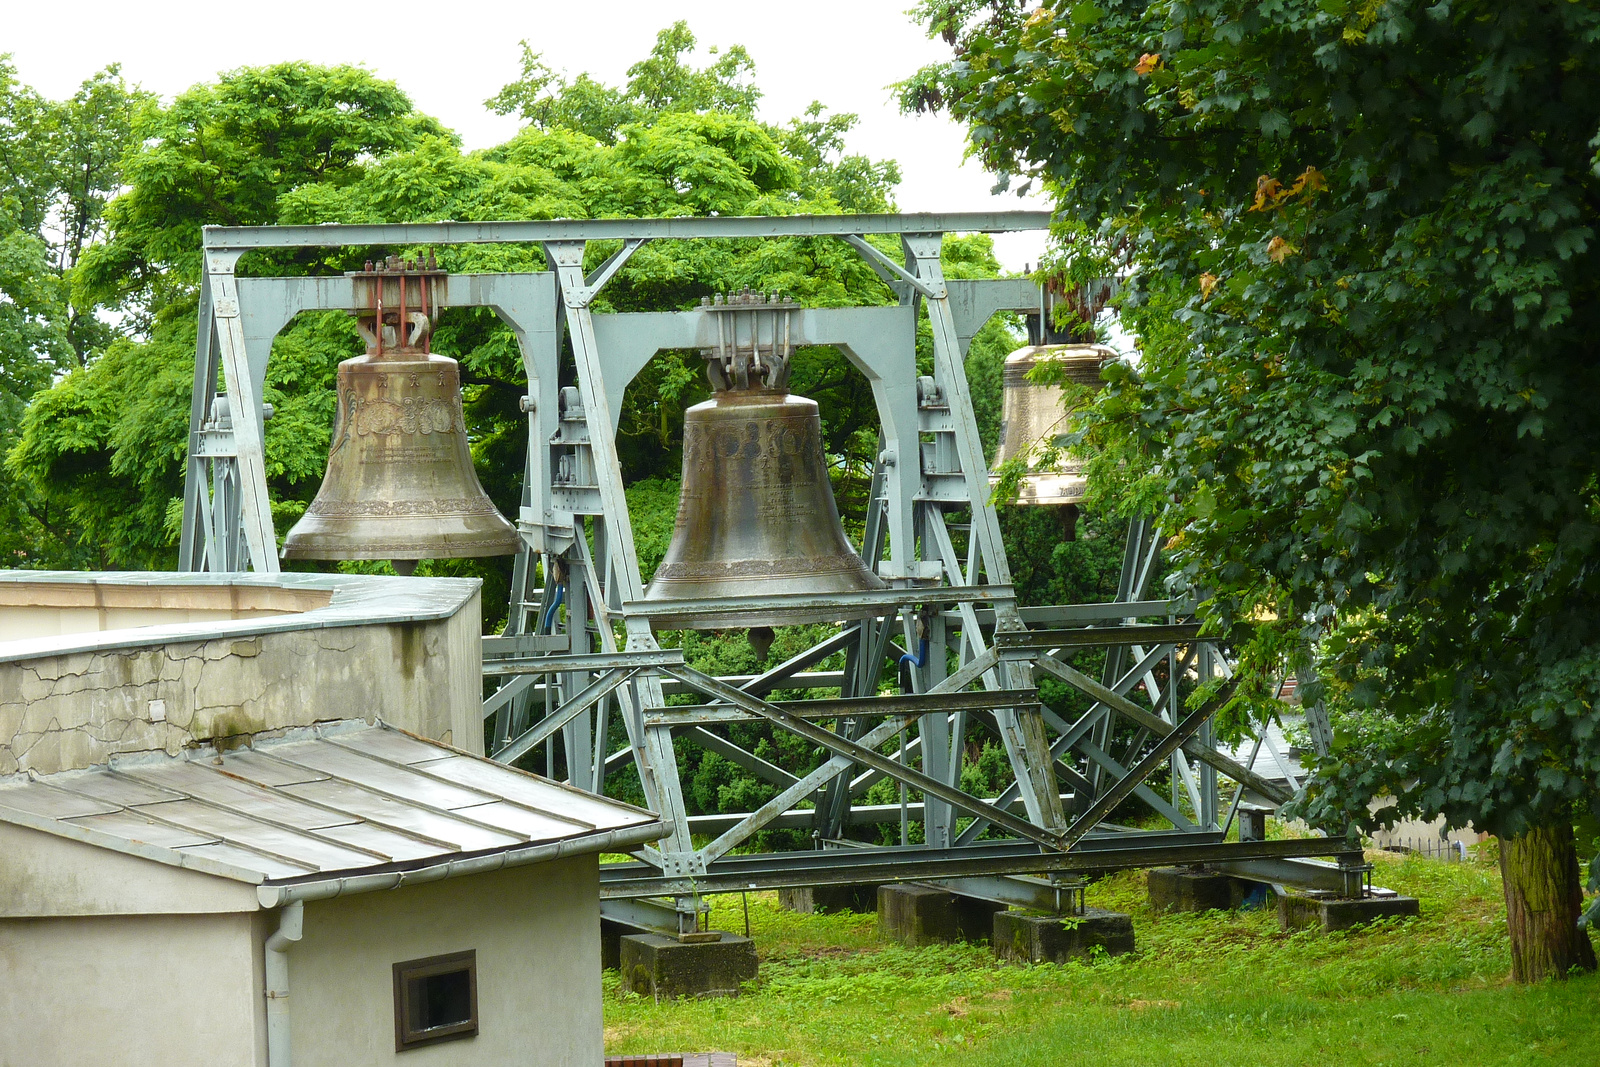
(77, 709)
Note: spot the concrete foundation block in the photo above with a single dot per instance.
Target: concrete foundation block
(915, 914)
(1026, 938)
(1185, 889)
(828, 899)
(1297, 911)
(611, 935)
(661, 966)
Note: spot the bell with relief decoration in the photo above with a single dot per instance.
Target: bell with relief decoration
(400, 483)
(756, 516)
(1033, 417)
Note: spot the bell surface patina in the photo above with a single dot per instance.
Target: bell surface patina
(756, 515)
(400, 484)
(1033, 417)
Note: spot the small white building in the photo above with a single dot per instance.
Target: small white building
(338, 894)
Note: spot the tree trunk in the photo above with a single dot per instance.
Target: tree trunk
(1544, 898)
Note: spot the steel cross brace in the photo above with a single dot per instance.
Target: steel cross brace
(1156, 725)
(868, 756)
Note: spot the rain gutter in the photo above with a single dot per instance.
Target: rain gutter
(623, 840)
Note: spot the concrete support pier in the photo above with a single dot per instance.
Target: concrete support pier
(1192, 889)
(661, 966)
(915, 914)
(1302, 911)
(829, 899)
(1026, 938)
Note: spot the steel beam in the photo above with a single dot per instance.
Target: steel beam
(680, 228)
(856, 866)
(847, 707)
(1305, 873)
(1098, 636)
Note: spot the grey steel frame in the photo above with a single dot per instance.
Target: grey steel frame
(930, 467)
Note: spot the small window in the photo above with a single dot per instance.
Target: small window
(435, 999)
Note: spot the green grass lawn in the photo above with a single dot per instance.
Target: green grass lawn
(1218, 988)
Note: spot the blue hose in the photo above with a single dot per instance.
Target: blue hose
(920, 658)
(550, 612)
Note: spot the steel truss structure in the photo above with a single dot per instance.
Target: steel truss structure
(949, 612)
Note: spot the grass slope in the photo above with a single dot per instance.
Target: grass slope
(1220, 988)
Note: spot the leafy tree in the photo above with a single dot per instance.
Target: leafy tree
(59, 163)
(661, 83)
(105, 444)
(1361, 257)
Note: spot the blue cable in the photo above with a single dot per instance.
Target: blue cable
(920, 658)
(550, 612)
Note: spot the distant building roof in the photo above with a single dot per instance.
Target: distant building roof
(325, 601)
(328, 809)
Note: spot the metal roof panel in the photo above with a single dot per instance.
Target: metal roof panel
(536, 792)
(194, 779)
(41, 799)
(336, 799)
(462, 835)
(399, 782)
(136, 827)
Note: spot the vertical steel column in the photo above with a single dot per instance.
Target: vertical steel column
(938, 815)
(196, 532)
(1206, 663)
(1023, 731)
(244, 407)
(578, 735)
(652, 745)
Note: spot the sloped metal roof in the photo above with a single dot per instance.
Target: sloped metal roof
(339, 799)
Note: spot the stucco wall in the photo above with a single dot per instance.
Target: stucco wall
(536, 931)
(45, 875)
(134, 991)
(77, 709)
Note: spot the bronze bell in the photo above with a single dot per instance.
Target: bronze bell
(756, 515)
(1033, 417)
(400, 483)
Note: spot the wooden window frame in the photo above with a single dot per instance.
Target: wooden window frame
(409, 970)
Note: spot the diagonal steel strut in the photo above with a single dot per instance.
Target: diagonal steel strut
(1145, 767)
(868, 756)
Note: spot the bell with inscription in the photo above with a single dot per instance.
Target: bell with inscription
(1033, 416)
(400, 483)
(756, 515)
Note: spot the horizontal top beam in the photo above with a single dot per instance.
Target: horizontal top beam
(334, 235)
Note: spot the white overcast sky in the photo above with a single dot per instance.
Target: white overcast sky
(450, 57)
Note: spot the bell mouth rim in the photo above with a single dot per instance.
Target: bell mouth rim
(379, 553)
(386, 357)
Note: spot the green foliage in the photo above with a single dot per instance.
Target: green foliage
(659, 84)
(1216, 987)
(1365, 282)
(221, 155)
(299, 143)
(59, 164)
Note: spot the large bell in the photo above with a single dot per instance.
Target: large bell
(1033, 417)
(400, 483)
(756, 515)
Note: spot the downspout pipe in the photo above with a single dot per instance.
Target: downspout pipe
(290, 924)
